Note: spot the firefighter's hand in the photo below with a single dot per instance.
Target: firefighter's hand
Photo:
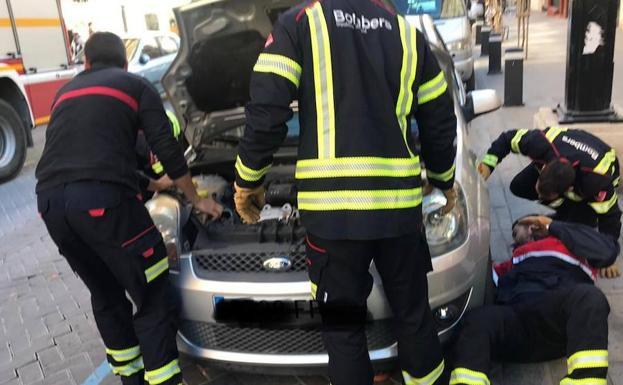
(451, 197)
(537, 221)
(209, 206)
(484, 170)
(249, 203)
(164, 183)
(610, 272)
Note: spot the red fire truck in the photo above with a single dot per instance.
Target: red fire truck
(34, 63)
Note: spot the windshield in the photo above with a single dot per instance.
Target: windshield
(437, 9)
(130, 47)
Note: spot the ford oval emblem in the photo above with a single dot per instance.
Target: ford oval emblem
(277, 264)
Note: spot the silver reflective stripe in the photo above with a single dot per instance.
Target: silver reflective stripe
(359, 199)
(358, 167)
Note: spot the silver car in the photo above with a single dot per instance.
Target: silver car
(244, 290)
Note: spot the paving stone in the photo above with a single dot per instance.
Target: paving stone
(50, 359)
(30, 373)
(7, 375)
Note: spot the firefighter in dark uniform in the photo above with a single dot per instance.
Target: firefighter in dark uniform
(572, 171)
(360, 73)
(546, 307)
(87, 195)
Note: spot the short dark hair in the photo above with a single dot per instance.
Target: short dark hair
(556, 177)
(105, 48)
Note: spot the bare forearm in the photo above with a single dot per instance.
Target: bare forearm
(185, 184)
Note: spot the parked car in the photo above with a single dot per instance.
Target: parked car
(244, 290)
(452, 21)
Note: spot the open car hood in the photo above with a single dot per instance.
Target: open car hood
(208, 82)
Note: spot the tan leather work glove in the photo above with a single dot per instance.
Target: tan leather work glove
(484, 170)
(249, 202)
(610, 272)
(451, 196)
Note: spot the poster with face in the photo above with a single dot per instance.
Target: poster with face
(593, 38)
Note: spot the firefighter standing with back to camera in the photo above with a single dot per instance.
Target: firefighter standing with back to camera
(88, 197)
(359, 73)
(572, 172)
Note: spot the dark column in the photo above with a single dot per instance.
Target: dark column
(484, 40)
(495, 53)
(513, 77)
(590, 52)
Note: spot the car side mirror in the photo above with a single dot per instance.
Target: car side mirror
(144, 59)
(480, 102)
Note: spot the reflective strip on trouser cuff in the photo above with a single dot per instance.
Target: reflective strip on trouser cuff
(157, 167)
(323, 81)
(516, 139)
(432, 89)
(429, 379)
(573, 196)
(407, 75)
(468, 377)
(279, 65)
(121, 355)
(490, 160)
(129, 369)
(443, 176)
(556, 203)
(606, 163)
(158, 376)
(359, 199)
(314, 289)
(156, 270)
(248, 174)
(616, 181)
(175, 124)
(587, 359)
(584, 381)
(604, 207)
(358, 167)
(553, 133)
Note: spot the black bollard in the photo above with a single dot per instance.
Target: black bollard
(495, 53)
(484, 41)
(477, 30)
(513, 77)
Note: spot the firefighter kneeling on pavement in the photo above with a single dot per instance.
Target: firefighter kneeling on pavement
(546, 306)
(358, 171)
(88, 196)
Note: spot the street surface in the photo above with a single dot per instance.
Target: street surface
(47, 331)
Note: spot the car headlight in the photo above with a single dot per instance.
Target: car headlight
(444, 233)
(459, 45)
(165, 212)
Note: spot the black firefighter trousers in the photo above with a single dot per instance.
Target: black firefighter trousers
(110, 241)
(341, 282)
(570, 321)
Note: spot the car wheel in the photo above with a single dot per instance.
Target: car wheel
(490, 288)
(12, 142)
(470, 84)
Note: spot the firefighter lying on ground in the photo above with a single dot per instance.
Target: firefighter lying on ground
(546, 305)
(572, 172)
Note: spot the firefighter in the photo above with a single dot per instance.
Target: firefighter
(87, 196)
(546, 307)
(572, 172)
(360, 73)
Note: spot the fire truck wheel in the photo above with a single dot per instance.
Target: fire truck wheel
(12, 142)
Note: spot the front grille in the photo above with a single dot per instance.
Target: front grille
(238, 339)
(247, 262)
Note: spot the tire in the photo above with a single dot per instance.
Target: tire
(12, 142)
(470, 84)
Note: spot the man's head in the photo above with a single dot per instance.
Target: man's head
(556, 178)
(525, 233)
(105, 48)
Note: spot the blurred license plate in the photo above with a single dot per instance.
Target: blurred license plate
(266, 312)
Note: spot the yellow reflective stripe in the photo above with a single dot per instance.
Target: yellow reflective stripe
(516, 139)
(616, 181)
(443, 176)
(279, 65)
(158, 376)
(323, 81)
(606, 162)
(404, 104)
(124, 354)
(249, 174)
(175, 124)
(584, 381)
(553, 132)
(314, 289)
(129, 369)
(157, 269)
(468, 377)
(358, 167)
(587, 359)
(432, 89)
(556, 203)
(157, 167)
(429, 379)
(359, 199)
(604, 207)
(573, 196)
(490, 160)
